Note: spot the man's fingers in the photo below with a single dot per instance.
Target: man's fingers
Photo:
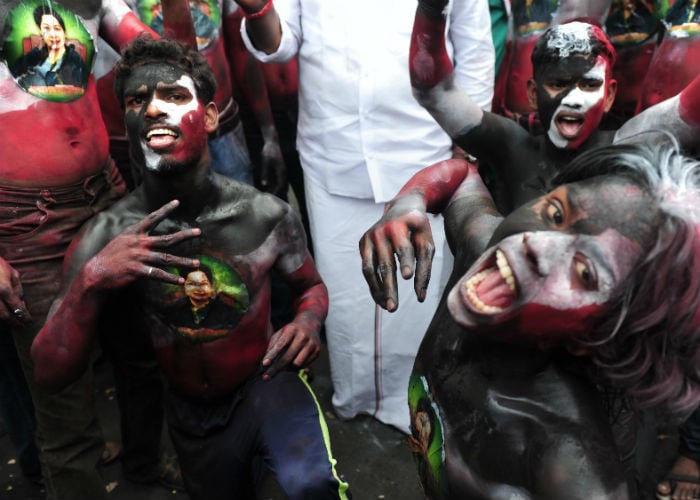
(15, 311)
(152, 219)
(404, 251)
(275, 365)
(369, 270)
(306, 355)
(168, 240)
(386, 270)
(424, 260)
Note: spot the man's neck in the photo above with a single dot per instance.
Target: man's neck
(193, 189)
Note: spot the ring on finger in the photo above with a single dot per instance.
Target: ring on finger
(150, 270)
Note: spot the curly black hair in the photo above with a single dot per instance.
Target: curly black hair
(146, 50)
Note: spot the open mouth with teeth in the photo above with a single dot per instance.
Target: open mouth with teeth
(161, 138)
(493, 289)
(569, 126)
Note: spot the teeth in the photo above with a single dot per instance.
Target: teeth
(470, 287)
(160, 131)
(505, 270)
(506, 273)
(570, 119)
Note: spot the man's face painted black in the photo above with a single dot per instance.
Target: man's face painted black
(165, 121)
(572, 96)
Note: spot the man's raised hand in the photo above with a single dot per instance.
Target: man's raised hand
(404, 231)
(134, 254)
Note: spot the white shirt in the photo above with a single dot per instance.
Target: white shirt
(360, 132)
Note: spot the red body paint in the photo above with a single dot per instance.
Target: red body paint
(429, 62)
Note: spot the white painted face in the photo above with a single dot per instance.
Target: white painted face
(157, 140)
(167, 125)
(573, 116)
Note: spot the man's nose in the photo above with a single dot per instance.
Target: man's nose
(574, 99)
(154, 109)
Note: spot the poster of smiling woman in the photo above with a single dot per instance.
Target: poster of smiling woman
(49, 50)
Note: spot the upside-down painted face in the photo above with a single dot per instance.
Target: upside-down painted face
(164, 117)
(572, 96)
(555, 264)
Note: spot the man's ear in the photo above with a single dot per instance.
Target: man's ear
(610, 97)
(211, 117)
(532, 93)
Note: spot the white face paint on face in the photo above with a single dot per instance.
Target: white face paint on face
(173, 108)
(573, 118)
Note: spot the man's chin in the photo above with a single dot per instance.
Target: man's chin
(166, 168)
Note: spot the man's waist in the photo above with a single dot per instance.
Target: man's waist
(83, 189)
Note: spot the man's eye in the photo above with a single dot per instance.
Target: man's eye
(559, 85)
(555, 212)
(134, 101)
(590, 85)
(585, 272)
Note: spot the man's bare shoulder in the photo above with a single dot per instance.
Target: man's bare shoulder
(249, 204)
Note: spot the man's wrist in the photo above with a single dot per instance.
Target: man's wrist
(257, 14)
(432, 10)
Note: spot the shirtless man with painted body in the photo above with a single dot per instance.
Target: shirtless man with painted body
(55, 173)
(231, 396)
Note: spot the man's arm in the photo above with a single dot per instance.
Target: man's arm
(60, 351)
(177, 22)
(297, 343)
(679, 115)
(248, 77)
(119, 25)
(262, 24)
(432, 75)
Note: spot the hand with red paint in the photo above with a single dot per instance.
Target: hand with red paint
(296, 344)
(135, 254)
(12, 307)
(404, 230)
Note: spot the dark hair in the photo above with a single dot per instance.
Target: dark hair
(205, 269)
(45, 10)
(649, 345)
(574, 37)
(146, 50)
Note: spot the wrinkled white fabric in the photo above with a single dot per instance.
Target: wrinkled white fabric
(361, 136)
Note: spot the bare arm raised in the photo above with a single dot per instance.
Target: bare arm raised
(432, 76)
(679, 115)
(61, 349)
(262, 24)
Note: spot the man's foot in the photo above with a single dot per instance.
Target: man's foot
(168, 474)
(682, 482)
(110, 453)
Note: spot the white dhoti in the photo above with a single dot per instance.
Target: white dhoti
(371, 350)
